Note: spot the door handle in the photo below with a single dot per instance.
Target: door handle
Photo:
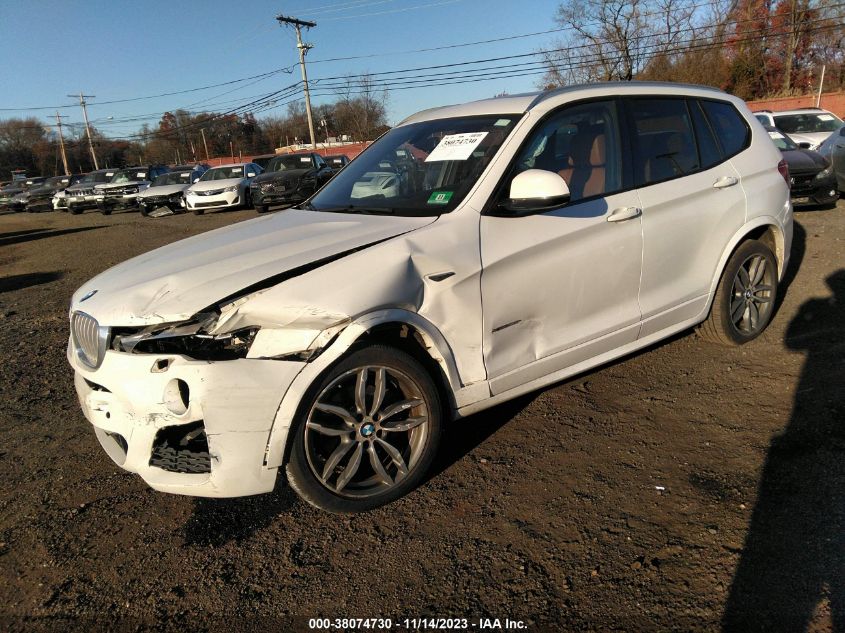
(624, 213)
(725, 181)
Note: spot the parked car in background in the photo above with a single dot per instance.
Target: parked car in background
(82, 195)
(336, 161)
(18, 197)
(222, 187)
(41, 197)
(262, 160)
(833, 149)
(289, 178)
(167, 192)
(535, 237)
(122, 191)
(811, 177)
(807, 127)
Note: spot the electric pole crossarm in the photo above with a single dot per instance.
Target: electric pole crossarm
(82, 103)
(303, 49)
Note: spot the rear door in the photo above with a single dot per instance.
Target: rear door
(692, 202)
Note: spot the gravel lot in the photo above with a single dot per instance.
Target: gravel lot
(688, 487)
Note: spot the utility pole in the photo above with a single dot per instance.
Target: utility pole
(62, 141)
(303, 49)
(82, 99)
(202, 131)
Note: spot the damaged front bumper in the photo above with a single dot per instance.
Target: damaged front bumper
(189, 427)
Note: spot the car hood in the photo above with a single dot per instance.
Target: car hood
(163, 190)
(120, 185)
(281, 176)
(176, 281)
(803, 161)
(212, 185)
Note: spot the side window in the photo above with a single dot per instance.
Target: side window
(708, 148)
(582, 144)
(731, 129)
(664, 142)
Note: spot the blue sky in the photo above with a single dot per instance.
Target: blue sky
(122, 50)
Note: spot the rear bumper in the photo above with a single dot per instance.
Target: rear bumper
(131, 408)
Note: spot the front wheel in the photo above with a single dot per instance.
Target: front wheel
(262, 208)
(367, 433)
(745, 298)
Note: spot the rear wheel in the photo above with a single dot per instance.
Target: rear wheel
(367, 434)
(745, 298)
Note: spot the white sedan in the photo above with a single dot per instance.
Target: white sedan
(222, 187)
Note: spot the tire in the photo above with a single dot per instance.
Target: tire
(144, 212)
(744, 292)
(262, 208)
(248, 199)
(105, 210)
(387, 464)
(199, 211)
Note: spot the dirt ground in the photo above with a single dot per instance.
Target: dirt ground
(686, 488)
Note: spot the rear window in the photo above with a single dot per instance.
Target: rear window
(664, 143)
(731, 130)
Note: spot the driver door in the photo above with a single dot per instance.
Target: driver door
(560, 287)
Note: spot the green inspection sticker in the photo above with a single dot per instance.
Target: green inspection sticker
(440, 197)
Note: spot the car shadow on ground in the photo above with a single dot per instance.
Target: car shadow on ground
(462, 436)
(18, 282)
(18, 237)
(793, 558)
(217, 521)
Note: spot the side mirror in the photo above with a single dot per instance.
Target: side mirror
(535, 191)
(196, 179)
(250, 174)
(804, 145)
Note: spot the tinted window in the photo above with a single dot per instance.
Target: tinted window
(664, 142)
(708, 149)
(731, 130)
(582, 144)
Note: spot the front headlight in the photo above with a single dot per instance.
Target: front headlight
(189, 339)
(231, 189)
(825, 173)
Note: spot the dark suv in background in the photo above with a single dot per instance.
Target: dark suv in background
(82, 196)
(288, 179)
(121, 192)
(41, 197)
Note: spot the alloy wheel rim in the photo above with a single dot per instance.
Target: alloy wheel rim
(752, 295)
(366, 431)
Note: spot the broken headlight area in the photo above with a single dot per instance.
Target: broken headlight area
(189, 339)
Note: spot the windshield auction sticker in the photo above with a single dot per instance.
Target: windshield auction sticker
(456, 146)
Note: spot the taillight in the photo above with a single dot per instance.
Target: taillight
(783, 168)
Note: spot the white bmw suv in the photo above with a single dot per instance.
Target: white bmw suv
(526, 239)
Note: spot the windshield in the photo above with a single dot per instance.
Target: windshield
(782, 141)
(173, 178)
(283, 163)
(222, 173)
(808, 123)
(129, 175)
(56, 182)
(423, 168)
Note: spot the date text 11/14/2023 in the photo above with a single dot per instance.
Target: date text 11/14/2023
(416, 624)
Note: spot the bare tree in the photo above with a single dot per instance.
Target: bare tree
(609, 40)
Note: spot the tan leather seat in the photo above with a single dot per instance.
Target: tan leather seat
(586, 172)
